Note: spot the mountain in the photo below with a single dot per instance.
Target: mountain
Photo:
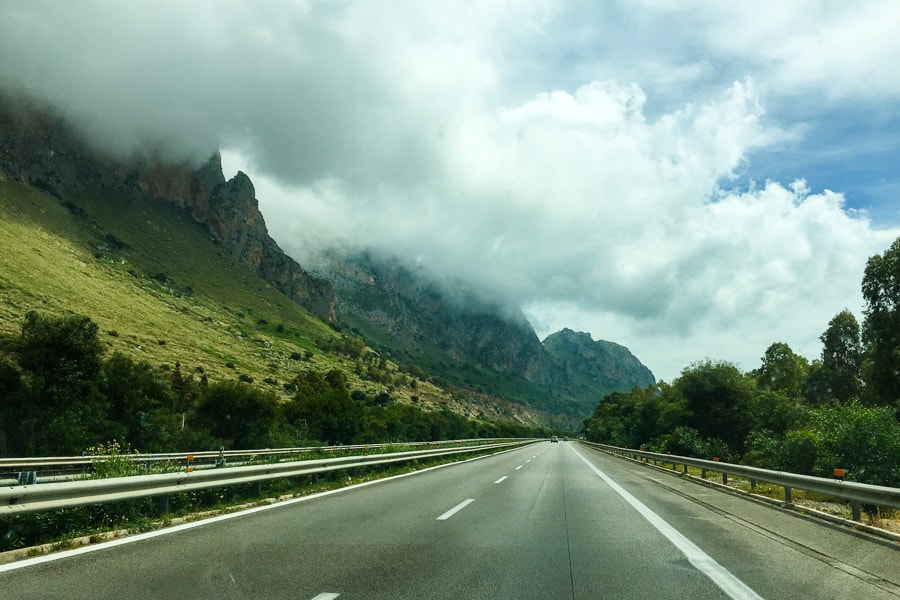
(39, 148)
(476, 342)
(485, 356)
(600, 363)
(418, 316)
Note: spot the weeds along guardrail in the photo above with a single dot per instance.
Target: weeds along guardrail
(23, 499)
(855, 493)
(52, 469)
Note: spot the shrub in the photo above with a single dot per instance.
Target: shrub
(865, 441)
(113, 460)
(800, 452)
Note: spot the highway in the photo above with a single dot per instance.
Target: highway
(544, 521)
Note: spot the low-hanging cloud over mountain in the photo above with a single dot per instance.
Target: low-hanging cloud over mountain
(594, 165)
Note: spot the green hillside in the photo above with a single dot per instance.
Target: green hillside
(159, 289)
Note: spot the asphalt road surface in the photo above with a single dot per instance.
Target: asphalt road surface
(544, 521)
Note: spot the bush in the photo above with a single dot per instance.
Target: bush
(764, 451)
(864, 441)
(800, 452)
(685, 441)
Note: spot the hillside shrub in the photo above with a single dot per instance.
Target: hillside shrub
(864, 441)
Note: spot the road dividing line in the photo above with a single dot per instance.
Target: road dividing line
(732, 586)
(455, 509)
(501, 479)
(519, 467)
(326, 596)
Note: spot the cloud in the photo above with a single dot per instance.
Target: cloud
(581, 161)
(592, 216)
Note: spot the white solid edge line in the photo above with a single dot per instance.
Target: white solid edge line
(728, 583)
(502, 479)
(326, 596)
(455, 509)
(27, 562)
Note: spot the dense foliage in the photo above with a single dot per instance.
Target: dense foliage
(842, 410)
(59, 395)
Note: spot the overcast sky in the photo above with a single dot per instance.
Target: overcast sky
(691, 179)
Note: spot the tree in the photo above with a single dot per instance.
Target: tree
(10, 406)
(625, 418)
(239, 416)
(322, 408)
(718, 401)
(776, 413)
(782, 370)
(141, 404)
(62, 355)
(881, 327)
(841, 358)
(62, 409)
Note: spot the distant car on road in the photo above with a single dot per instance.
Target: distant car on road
(554, 439)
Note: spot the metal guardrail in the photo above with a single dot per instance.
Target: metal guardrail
(51, 469)
(33, 463)
(50, 496)
(851, 491)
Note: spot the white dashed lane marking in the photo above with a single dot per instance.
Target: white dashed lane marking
(456, 509)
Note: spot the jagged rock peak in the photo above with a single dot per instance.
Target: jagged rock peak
(39, 148)
(607, 363)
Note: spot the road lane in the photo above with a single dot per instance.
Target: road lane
(779, 554)
(579, 537)
(540, 523)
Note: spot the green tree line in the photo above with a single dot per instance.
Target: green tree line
(60, 395)
(840, 410)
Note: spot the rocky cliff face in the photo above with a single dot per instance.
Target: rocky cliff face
(414, 310)
(566, 374)
(608, 365)
(38, 148)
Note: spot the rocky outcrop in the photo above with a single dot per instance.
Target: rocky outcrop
(418, 313)
(39, 148)
(232, 213)
(610, 366)
(566, 374)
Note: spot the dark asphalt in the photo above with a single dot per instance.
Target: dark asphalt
(553, 528)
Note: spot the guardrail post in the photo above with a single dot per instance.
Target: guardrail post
(162, 504)
(27, 477)
(787, 495)
(221, 462)
(684, 469)
(703, 472)
(724, 478)
(855, 508)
